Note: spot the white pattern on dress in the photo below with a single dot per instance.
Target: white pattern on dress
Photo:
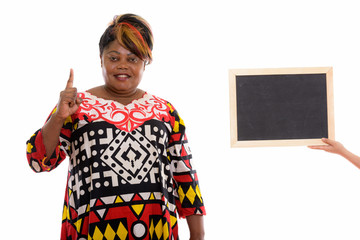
(126, 117)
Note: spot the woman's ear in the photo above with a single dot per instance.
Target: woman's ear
(146, 62)
(101, 60)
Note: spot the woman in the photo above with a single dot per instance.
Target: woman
(130, 170)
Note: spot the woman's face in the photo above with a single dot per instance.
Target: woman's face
(122, 69)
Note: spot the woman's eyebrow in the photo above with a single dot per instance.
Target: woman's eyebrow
(114, 51)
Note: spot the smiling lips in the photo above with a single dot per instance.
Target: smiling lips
(122, 77)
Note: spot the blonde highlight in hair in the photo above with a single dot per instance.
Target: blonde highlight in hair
(133, 33)
(129, 37)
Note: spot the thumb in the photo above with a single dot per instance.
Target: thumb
(78, 100)
(325, 140)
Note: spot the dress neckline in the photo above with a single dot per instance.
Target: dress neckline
(100, 99)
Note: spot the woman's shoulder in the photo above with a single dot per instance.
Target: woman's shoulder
(167, 104)
(155, 97)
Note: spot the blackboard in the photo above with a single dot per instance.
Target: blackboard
(281, 107)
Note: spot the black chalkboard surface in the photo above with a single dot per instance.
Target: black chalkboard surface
(276, 107)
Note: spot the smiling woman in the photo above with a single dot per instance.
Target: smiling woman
(130, 170)
(125, 49)
(122, 72)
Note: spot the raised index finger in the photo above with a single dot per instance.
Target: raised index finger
(70, 81)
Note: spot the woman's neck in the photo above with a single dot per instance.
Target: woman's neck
(121, 97)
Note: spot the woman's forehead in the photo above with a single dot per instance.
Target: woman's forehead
(116, 48)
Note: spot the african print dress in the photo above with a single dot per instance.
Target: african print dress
(130, 170)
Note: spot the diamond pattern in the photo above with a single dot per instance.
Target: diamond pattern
(181, 194)
(198, 193)
(134, 164)
(159, 229)
(97, 234)
(151, 229)
(191, 195)
(109, 232)
(122, 232)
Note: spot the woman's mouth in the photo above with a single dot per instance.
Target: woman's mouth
(122, 77)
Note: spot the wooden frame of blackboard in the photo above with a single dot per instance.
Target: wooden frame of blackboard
(303, 72)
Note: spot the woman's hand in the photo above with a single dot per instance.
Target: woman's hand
(68, 102)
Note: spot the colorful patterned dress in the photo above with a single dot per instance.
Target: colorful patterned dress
(130, 170)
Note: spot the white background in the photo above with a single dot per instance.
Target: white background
(277, 193)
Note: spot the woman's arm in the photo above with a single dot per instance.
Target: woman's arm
(196, 227)
(337, 148)
(44, 149)
(51, 133)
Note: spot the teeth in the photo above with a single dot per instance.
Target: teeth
(122, 75)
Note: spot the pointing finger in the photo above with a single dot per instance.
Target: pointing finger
(70, 82)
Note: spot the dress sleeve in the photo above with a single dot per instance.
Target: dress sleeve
(36, 152)
(189, 200)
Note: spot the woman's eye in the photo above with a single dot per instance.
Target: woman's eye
(113, 59)
(133, 60)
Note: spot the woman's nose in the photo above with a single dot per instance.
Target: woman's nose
(122, 64)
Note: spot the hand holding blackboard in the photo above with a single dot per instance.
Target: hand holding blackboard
(337, 148)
